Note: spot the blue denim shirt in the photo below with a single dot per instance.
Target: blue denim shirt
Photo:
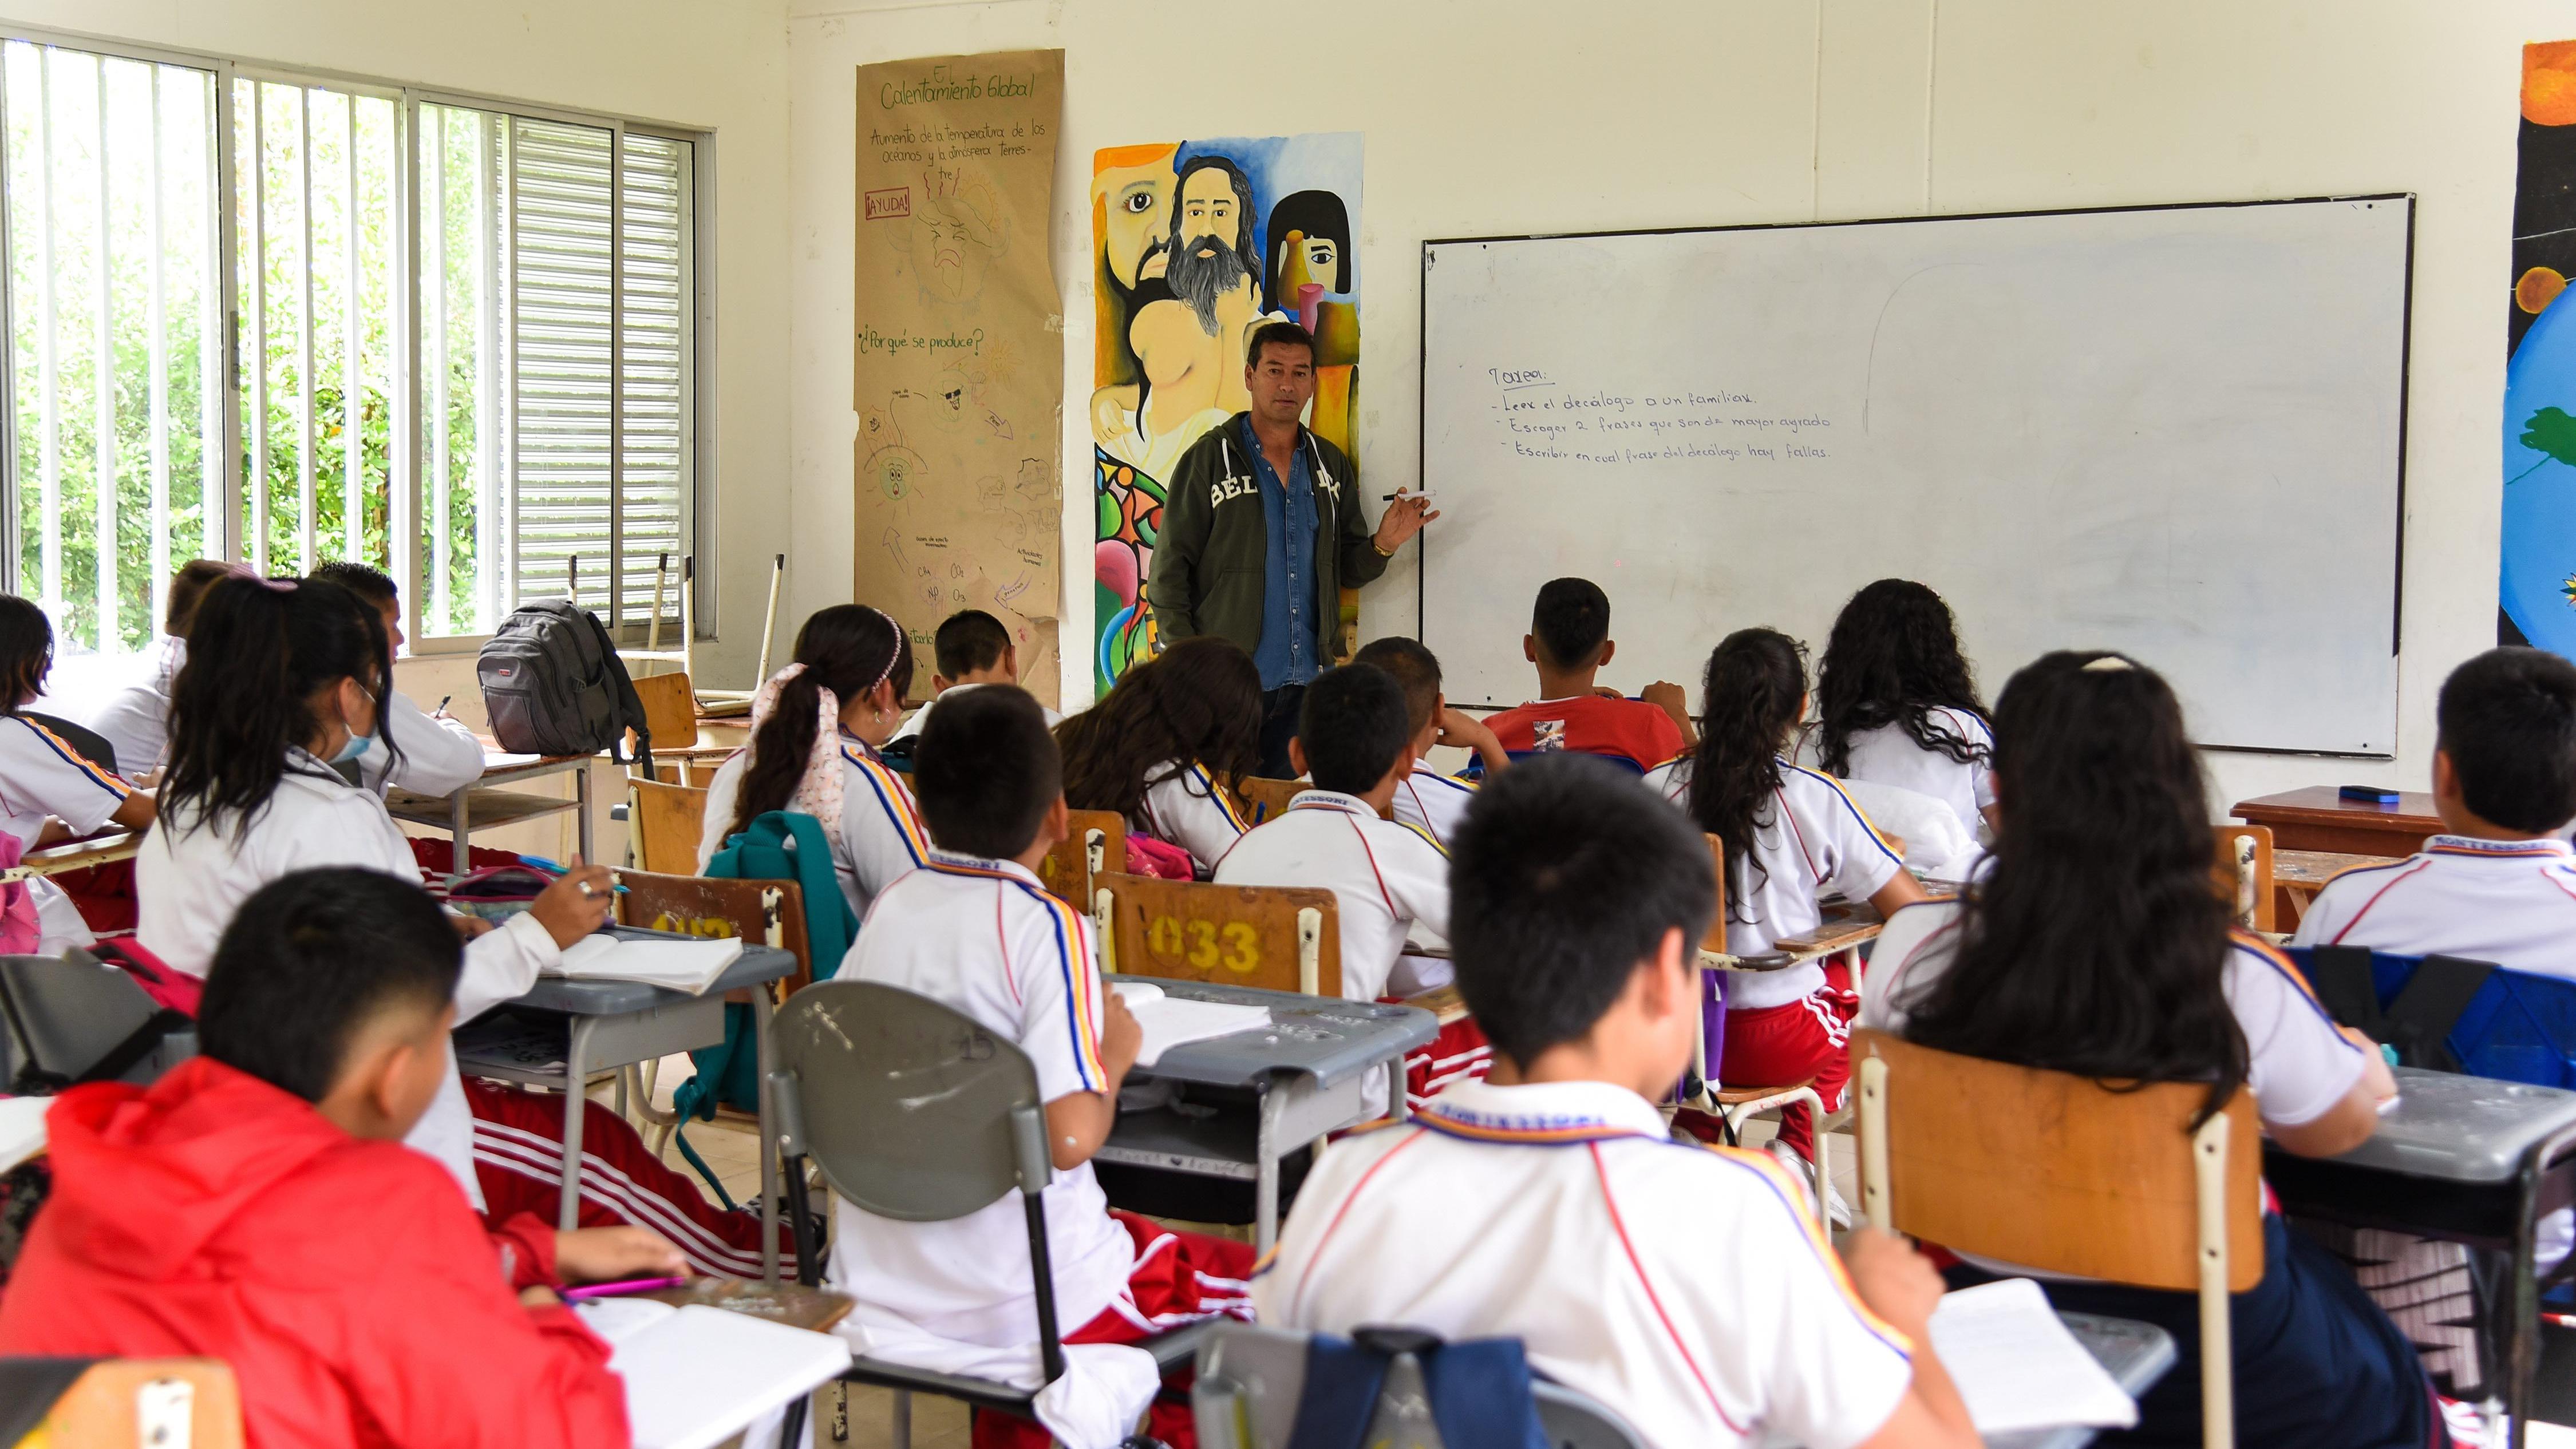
(1291, 617)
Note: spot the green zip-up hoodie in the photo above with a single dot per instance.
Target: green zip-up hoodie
(1214, 549)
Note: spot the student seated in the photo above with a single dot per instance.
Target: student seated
(1899, 705)
(1686, 1286)
(256, 1205)
(439, 753)
(1169, 745)
(974, 930)
(251, 795)
(1792, 837)
(815, 729)
(2499, 884)
(50, 793)
(1569, 640)
(971, 648)
(2097, 947)
(1425, 798)
(135, 720)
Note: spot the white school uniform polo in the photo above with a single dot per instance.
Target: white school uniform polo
(135, 719)
(2511, 902)
(1684, 1285)
(919, 717)
(1888, 755)
(190, 879)
(1185, 806)
(1433, 803)
(1812, 842)
(438, 755)
(42, 775)
(1384, 877)
(984, 938)
(878, 840)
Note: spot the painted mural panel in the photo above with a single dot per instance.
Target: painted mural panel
(1194, 244)
(2537, 578)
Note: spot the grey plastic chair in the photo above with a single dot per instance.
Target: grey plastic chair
(1250, 1379)
(72, 1018)
(915, 1112)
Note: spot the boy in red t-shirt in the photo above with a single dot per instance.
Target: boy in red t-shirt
(1569, 640)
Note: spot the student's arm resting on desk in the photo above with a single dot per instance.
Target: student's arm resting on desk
(501, 965)
(2317, 1087)
(1079, 1036)
(438, 755)
(1078, 1122)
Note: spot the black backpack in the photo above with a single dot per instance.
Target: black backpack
(553, 685)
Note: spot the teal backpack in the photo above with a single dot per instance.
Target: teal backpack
(781, 845)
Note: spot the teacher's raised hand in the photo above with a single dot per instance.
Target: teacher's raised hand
(1406, 512)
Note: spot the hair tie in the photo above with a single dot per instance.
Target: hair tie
(818, 789)
(891, 655)
(2108, 664)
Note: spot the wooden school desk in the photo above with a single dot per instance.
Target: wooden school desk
(75, 855)
(2317, 818)
(2298, 875)
(484, 805)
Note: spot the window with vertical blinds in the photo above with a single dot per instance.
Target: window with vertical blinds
(259, 318)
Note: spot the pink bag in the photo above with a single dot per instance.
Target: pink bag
(1159, 859)
(21, 934)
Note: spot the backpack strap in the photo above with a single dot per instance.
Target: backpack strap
(630, 705)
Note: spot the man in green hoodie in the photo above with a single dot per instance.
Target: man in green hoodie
(1262, 527)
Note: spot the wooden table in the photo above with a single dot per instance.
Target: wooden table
(2318, 819)
(2297, 876)
(483, 805)
(76, 855)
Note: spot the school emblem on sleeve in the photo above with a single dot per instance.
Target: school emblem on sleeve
(1547, 734)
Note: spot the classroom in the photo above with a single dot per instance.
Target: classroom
(741, 722)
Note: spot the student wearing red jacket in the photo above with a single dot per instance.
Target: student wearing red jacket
(257, 1205)
(1569, 640)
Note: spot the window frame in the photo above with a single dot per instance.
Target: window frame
(698, 523)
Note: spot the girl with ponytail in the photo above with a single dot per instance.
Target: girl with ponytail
(815, 729)
(2096, 946)
(1899, 705)
(50, 791)
(284, 684)
(1169, 746)
(1791, 836)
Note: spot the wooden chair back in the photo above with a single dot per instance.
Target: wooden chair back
(1715, 940)
(763, 912)
(667, 822)
(671, 713)
(700, 773)
(104, 1407)
(1264, 799)
(2109, 1181)
(2242, 872)
(1280, 938)
(1095, 843)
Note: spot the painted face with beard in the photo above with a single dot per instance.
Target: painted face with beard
(1207, 259)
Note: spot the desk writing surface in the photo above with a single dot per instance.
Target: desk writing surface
(612, 998)
(1324, 1037)
(792, 1304)
(2462, 1129)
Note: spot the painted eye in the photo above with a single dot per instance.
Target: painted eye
(1140, 202)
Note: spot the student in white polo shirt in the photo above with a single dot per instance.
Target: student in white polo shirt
(1899, 705)
(49, 792)
(972, 648)
(439, 753)
(815, 729)
(1792, 838)
(2096, 947)
(135, 719)
(1686, 1286)
(1425, 797)
(974, 930)
(1169, 745)
(2499, 884)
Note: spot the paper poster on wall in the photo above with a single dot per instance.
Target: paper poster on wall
(1194, 244)
(2537, 578)
(956, 332)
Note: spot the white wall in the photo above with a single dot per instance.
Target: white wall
(1520, 116)
(716, 66)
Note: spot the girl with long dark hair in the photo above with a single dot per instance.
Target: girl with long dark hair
(1169, 745)
(284, 681)
(49, 791)
(815, 729)
(1791, 837)
(2097, 947)
(1899, 705)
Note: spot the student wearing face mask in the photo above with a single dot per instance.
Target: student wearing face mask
(439, 753)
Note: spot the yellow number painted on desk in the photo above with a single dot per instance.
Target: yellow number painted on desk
(1203, 951)
(1247, 948)
(1163, 936)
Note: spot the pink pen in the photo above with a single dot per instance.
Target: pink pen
(620, 1290)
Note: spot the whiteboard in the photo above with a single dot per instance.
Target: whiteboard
(2173, 431)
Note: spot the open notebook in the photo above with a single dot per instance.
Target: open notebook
(697, 1376)
(1171, 1021)
(690, 966)
(2016, 1366)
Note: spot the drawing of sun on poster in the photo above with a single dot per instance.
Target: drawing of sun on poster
(2538, 573)
(1194, 244)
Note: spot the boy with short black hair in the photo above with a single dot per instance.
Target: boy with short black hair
(257, 1204)
(1569, 640)
(973, 930)
(1688, 1286)
(1426, 798)
(439, 754)
(2499, 884)
(971, 648)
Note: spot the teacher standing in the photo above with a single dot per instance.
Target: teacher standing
(1262, 527)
